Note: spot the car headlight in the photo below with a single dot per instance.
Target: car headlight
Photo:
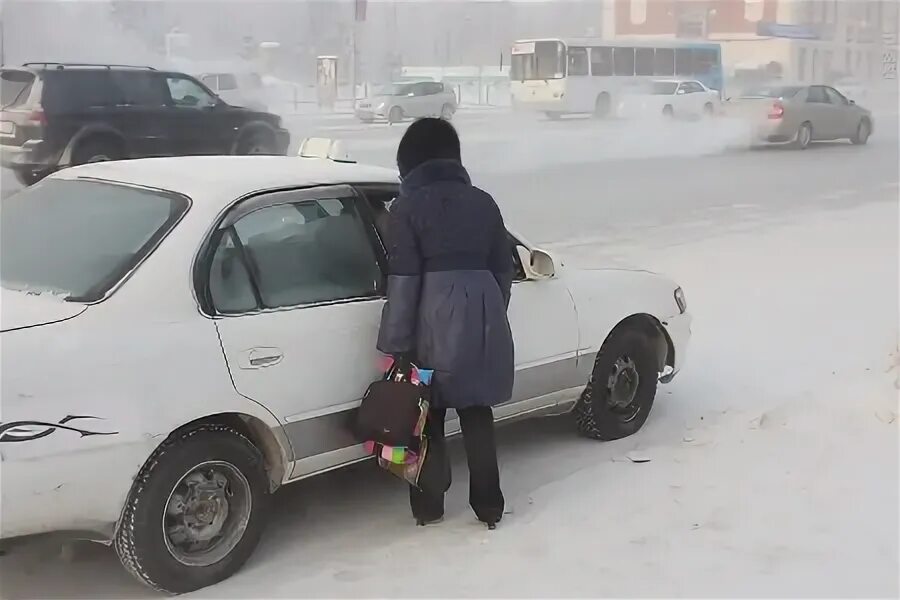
(680, 300)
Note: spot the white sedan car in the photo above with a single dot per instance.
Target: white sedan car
(670, 98)
(182, 336)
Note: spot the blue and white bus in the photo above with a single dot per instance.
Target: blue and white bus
(587, 75)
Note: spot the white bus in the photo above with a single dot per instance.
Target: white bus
(586, 75)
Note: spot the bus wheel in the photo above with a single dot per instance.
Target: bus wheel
(602, 106)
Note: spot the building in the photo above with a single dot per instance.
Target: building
(800, 40)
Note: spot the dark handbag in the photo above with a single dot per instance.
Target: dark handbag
(390, 410)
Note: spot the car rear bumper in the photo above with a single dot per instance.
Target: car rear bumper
(33, 155)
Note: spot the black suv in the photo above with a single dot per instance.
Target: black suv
(55, 115)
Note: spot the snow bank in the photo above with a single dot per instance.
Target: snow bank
(773, 471)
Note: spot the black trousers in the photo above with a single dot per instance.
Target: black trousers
(485, 497)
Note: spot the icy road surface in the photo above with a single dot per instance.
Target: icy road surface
(773, 457)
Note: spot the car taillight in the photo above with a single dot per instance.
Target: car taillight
(38, 117)
(777, 111)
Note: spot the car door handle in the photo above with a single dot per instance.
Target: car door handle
(258, 358)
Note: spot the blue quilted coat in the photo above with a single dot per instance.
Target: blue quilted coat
(451, 269)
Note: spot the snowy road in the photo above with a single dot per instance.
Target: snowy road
(774, 467)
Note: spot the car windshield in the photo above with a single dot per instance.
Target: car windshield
(78, 239)
(771, 92)
(14, 87)
(664, 88)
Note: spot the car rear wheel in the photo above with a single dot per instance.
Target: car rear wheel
(196, 510)
(804, 136)
(395, 115)
(668, 111)
(619, 395)
(97, 150)
(863, 131)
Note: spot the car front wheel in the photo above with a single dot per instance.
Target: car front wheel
(619, 395)
(196, 510)
(863, 131)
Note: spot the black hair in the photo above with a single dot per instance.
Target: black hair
(424, 140)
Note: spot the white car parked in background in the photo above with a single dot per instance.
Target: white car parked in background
(670, 98)
(182, 336)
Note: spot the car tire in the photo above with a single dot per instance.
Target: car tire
(195, 472)
(862, 133)
(619, 395)
(668, 112)
(804, 136)
(709, 110)
(95, 150)
(395, 115)
(447, 112)
(260, 143)
(602, 106)
(27, 178)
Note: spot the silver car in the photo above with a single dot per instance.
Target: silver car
(398, 101)
(801, 114)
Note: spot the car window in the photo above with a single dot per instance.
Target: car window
(836, 97)
(141, 88)
(691, 87)
(227, 82)
(188, 93)
(230, 286)
(816, 95)
(211, 81)
(308, 252)
(663, 88)
(15, 87)
(78, 239)
(79, 89)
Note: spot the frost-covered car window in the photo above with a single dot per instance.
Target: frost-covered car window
(664, 88)
(78, 239)
(309, 252)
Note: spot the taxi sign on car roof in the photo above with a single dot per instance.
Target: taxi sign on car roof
(324, 148)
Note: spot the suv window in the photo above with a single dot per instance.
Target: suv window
(15, 87)
(188, 93)
(79, 89)
(299, 253)
(141, 88)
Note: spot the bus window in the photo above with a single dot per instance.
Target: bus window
(643, 61)
(538, 60)
(664, 62)
(578, 61)
(683, 64)
(623, 59)
(602, 62)
(704, 61)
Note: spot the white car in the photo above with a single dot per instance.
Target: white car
(182, 336)
(670, 98)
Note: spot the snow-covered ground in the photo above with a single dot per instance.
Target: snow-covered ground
(773, 458)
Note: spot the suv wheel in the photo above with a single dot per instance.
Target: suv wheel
(257, 144)
(96, 150)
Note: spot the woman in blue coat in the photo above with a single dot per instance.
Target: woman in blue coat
(450, 272)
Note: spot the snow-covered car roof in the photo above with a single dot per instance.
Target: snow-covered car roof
(213, 182)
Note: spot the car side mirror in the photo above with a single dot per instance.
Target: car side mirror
(537, 264)
(680, 92)
(853, 102)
